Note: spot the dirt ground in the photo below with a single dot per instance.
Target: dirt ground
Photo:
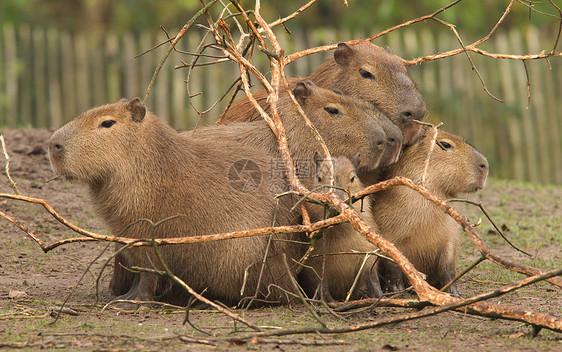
(33, 284)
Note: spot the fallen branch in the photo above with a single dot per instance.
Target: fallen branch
(92, 236)
(465, 224)
(472, 305)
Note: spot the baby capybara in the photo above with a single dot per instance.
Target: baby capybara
(325, 269)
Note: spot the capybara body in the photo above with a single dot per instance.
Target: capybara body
(364, 71)
(426, 235)
(326, 270)
(141, 172)
(348, 126)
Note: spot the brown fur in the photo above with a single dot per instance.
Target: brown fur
(354, 129)
(365, 71)
(335, 274)
(140, 168)
(426, 235)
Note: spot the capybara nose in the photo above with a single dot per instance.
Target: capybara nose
(482, 163)
(56, 149)
(484, 166)
(415, 113)
(415, 110)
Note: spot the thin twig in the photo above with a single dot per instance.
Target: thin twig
(559, 26)
(300, 295)
(431, 147)
(62, 306)
(173, 44)
(192, 292)
(7, 166)
(469, 58)
(295, 56)
(464, 272)
(528, 85)
(291, 16)
(481, 206)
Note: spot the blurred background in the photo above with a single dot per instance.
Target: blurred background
(59, 58)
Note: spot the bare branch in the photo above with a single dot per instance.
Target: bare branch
(7, 166)
(291, 16)
(465, 224)
(173, 44)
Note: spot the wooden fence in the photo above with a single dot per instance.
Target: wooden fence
(47, 77)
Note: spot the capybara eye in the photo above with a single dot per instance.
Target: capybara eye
(319, 179)
(332, 111)
(445, 145)
(352, 179)
(108, 123)
(366, 74)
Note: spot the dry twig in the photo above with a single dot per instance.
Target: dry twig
(7, 166)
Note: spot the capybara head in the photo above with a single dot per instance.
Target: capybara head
(455, 166)
(345, 174)
(374, 74)
(94, 144)
(348, 125)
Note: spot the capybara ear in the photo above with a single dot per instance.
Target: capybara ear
(387, 48)
(318, 158)
(137, 109)
(343, 54)
(301, 92)
(356, 160)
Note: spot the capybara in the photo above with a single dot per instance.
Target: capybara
(348, 126)
(426, 235)
(364, 71)
(326, 270)
(139, 169)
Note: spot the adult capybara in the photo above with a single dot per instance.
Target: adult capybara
(426, 235)
(325, 269)
(365, 71)
(148, 181)
(348, 126)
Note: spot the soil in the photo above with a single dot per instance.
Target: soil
(33, 284)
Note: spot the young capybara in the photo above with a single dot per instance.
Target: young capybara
(348, 126)
(364, 71)
(326, 270)
(426, 235)
(139, 170)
